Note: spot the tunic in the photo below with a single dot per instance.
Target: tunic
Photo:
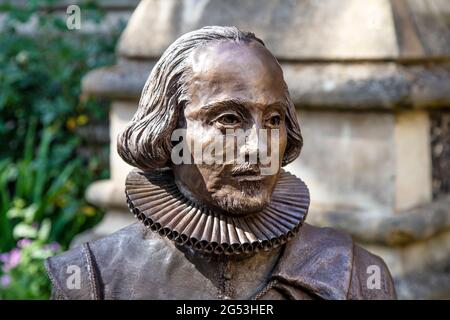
(136, 263)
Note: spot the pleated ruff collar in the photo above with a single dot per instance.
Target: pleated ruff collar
(154, 198)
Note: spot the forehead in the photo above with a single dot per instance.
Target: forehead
(230, 70)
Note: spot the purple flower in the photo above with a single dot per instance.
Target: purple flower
(14, 257)
(23, 242)
(13, 260)
(54, 246)
(4, 257)
(5, 280)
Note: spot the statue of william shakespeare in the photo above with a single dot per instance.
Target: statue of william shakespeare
(218, 217)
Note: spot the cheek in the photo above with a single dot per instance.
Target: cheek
(283, 142)
(200, 136)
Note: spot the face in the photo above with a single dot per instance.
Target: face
(236, 113)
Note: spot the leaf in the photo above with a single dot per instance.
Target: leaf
(62, 178)
(27, 214)
(30, 213)
(15, 213)
(44, 230)
(6, 237)
(61, 223)
(24, 179)
(6, 171)
(29, 140)
(23, 230)
(42, 161)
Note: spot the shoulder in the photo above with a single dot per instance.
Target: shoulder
(321, 238)
(326, 263)
(371, 278)
(71, 274)
(76, 273)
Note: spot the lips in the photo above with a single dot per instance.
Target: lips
(249, 178)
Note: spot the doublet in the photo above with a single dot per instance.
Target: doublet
(137, 263)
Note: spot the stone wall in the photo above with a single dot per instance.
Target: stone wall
(116, 13)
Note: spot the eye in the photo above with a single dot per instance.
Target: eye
(274, 121)
(229, 120)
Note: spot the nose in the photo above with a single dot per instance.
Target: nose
(250, 150)
(252, 140)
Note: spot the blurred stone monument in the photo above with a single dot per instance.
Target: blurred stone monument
(371, 81)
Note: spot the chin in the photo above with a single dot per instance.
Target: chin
(241, 201)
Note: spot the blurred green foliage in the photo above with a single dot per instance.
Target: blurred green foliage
(43, 177)
(24, 272)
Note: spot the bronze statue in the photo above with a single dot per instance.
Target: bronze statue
(217, 229)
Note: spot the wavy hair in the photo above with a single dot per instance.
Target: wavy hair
(146, 141)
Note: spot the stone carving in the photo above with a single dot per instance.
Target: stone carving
(230, 229)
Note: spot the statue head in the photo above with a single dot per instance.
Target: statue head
(219, 94)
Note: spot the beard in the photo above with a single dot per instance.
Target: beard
(234, 190)
(245, 197)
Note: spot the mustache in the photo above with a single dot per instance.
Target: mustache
(245, 168)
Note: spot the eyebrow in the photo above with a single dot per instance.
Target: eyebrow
(239, 103)
(225, 103)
